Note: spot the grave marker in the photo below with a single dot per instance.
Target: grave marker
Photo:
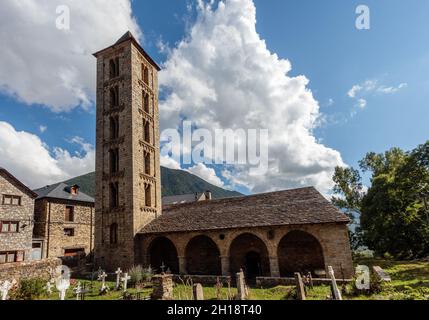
(336, 292)
(300, 290)
(241, 286)
(125, 280)
(118, 278)
(103, 277)
(198, 292)
(5, 288)
(381, 274)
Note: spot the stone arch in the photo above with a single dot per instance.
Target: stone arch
(299, 251)
(203, 257)
(250, 253)
(162, 252)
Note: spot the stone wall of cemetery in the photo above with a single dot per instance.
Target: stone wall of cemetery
(44, 269)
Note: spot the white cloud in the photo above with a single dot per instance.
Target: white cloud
(27, 157)
(222, 75)
(43, 129)
(207, 174)
(371, 87)
(43, 65)
(170, 163)
(362, 103)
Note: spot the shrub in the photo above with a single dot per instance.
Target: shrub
(136, 274)
(29, 289)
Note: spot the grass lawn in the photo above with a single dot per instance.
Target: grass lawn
(410, 281)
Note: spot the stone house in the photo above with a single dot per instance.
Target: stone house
(64, 221)
(16, 219)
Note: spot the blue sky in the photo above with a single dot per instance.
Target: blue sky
(320, 40)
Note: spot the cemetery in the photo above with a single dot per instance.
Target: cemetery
(390, 280)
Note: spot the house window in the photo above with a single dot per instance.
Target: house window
(145, 74)
(9, 227)
(114, 195)
(146, 134)
(114, 68)
(114, 97)
(114, 160)
(146, 102)
(11, 200)
(74, 252)
(11, 256)
(147, 168)
(148, 195)
(69, 215)
(69, 232)
(114, 233)
(114, 127)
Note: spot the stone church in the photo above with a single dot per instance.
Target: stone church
(267, 235)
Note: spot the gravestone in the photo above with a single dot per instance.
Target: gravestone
(335, 291)
(300, 290)
(48, 288)
(62, 285)
(125, 280)
(241, 286)
(102, 277)
(198, 292)
(162, 287)
(5, 288)
(78, 291)
(118, 278)
(381, 274)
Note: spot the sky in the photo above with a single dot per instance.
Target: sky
(327, 92)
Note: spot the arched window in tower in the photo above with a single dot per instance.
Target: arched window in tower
(114, 127)
(147, 163)
(114, 68)
(114, 195)
(114, 97)
(146, 103)
(114, 233)
(148, 195)
(114, 160)
(146, 132)
(145, 74)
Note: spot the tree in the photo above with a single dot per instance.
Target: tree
(392, 213)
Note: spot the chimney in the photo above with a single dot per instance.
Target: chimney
(208, 195)
(74, 190)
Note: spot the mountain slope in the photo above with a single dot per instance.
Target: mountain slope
(174, 182)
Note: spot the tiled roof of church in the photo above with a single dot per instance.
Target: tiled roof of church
(290, 207)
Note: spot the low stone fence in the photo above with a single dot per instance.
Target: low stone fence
(267, 282)
(30, 269)
(204, 280)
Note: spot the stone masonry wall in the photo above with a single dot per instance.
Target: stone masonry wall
(52, 224)
(21, 241)
(44, 269)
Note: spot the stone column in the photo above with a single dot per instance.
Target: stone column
(225, 265)
(182, 265)
(274, 267)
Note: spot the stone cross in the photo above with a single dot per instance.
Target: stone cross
(78, 290)
(5, 287)
(48, 287)
(118, 278)
(125, 280)
(241, 286)
(62, 286)
(103, 277)
(335, 290)
(162, 267)
(300, 290)
(198, 292)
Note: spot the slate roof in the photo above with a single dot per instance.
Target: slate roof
(129, 36)
(61, 191)
(17, 183)
(290, 207)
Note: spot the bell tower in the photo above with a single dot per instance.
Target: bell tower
(128, 177)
